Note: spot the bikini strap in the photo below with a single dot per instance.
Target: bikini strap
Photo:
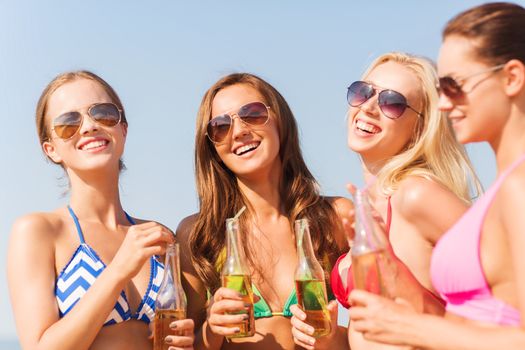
(507, 171)
(77, 224)
(130, 219)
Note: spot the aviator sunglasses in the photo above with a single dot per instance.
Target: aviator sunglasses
(254, 114)
(67, 125)
(392, 103)
(453, 88)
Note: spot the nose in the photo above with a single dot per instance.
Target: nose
(88, 125)
(239, 128)
(445, 103)
(370, 106)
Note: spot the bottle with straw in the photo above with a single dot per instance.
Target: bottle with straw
(235, 275)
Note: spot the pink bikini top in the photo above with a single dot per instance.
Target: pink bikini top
(456, 268)
(340, 291)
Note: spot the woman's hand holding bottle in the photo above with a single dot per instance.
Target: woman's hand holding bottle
(141, 242)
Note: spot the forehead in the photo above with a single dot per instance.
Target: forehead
(75, 95)
(456, 56)
(233, 97)
(395, 76)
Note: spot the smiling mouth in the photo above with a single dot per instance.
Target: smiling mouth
(367, 128)
(94, 145)
(247, 148)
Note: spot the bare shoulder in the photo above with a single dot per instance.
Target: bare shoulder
(343, 206)
(428, 205)
(37, 227)
(344, 210)
(419, 195)
(185, 226)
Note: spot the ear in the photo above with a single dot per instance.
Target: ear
(50, 151)
(514, 77)
(125, 129)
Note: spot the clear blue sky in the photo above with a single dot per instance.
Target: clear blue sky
(161, 56)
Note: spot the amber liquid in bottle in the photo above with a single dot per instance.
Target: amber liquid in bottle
(242, 284)
(310, 283)
(163, 319)
(235, 275)
(311, 295)
(170, 304)
(372, 269)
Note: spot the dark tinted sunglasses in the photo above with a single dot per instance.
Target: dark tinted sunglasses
(254, 113)
(391, 103)
(67, 125)
(453, 88)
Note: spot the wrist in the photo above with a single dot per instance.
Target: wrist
(117, 276)
(210, 339)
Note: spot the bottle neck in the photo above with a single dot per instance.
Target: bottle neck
(235, 260)
(304, 241)
(172, 263)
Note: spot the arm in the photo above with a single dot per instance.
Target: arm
(397, 323)
(414, 210)
(31, 276)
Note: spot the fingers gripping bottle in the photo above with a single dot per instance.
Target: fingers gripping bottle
(371, 266)
(235, 275)
(310, 283)
(170, 304)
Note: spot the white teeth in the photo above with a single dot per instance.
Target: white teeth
(367, 127)
(246, 148)
(93, 144)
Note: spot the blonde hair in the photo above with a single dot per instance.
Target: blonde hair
(433, 152)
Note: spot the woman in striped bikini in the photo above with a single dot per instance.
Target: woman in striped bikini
(86, 275)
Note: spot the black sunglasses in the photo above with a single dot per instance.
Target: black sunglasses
(392, 103)
(254, 113)
(453, 88)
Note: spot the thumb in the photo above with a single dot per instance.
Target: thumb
(333, 309)
(351, 188)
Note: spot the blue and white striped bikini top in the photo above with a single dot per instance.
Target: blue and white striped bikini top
(83, 269)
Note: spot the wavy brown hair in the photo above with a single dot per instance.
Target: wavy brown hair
(220, 197)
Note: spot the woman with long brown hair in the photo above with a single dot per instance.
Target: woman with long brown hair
(240, 162)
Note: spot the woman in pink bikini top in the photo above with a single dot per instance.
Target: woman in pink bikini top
(478, 266)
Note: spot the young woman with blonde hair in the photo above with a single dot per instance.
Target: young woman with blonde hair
(411, 161)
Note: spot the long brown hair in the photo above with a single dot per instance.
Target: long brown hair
(42, 129)
(220, 196)
(497, 31)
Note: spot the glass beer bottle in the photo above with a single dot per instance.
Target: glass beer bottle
(310, 282)
(371, 266)
(235, 275)
(170, 304)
